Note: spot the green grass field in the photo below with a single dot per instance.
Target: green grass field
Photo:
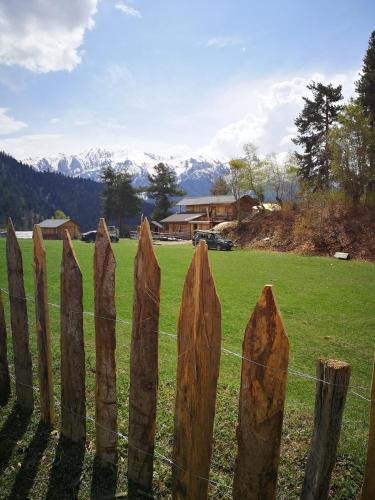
(328, 310)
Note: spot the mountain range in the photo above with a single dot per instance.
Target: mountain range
(194, 174)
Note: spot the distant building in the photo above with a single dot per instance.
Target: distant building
(204, 212)
(53, 229)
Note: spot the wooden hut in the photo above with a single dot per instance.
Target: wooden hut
(53, 229)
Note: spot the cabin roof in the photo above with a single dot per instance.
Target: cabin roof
(206, 200)
(156, 223)
(227, 199)
(54, 223)
(182, 217)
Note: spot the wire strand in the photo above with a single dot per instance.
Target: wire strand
(291, 371)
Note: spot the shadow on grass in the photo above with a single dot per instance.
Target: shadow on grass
(65, 476)
(104, 480)
(13, 429)
(29, 468)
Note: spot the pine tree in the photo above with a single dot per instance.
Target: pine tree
(365, 86)
(120, 200)
(314, 124)
(220, 187)
(163, 186)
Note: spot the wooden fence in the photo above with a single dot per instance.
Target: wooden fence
(262, 387)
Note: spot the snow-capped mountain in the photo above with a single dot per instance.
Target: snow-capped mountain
(195, 174)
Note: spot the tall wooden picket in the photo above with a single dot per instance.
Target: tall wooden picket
(19, 323)
(199, 337)
(4, 369)
(105, 340)
(368, 488)
(47, 407)
(262, 394)
(73, 399)
(144, 362)
(331, 389)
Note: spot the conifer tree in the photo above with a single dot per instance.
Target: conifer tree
(220, 187)
(163, 186)
(314, 124)
(120, 200)
(365, 86)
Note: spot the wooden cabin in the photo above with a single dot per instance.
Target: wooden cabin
(217, 208)
(185, 224)
(204, 212)
(53, 229)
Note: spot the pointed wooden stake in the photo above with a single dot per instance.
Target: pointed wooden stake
(199, 337)
(262, 394)
(144, 362)
(73, 399)
(331, 389)
(19, 323)
(105, 338)
(368, 488)
(4, 369)
(47, 407)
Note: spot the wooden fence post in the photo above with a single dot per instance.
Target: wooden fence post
(261, 409)
(19, 323)
(47, 407)
(105, 339)
(198, 347)
(73, 399)
(331, 389)
(144, 362)
(368, 488)
(4, 369)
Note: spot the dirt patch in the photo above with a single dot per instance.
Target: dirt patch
(309, 231)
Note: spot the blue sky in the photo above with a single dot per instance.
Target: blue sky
(169, 76)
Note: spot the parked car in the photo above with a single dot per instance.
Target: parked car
(90, 237)
(3, 234)
(214, 240)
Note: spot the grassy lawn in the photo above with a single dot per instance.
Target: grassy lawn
(328, 310)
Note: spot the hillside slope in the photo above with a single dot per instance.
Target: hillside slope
(309, 231)
(29, 196)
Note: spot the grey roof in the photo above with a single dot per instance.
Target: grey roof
(156, 223)
(206, 200)
(53, 223)
(181, 217)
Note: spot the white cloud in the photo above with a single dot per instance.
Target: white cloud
(8, 125)
(263, 112)
(44, 36)
(222, 41)
(129, 11)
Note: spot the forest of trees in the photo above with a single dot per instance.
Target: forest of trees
(29, 196)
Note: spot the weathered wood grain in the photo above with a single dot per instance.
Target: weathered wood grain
(144, 362)
(199, 337)
(43, 336)
(261, 407)
(368, 488)
(19, 323)
(4, 369)
(331, 389)
(73, 398)
(105, 339)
